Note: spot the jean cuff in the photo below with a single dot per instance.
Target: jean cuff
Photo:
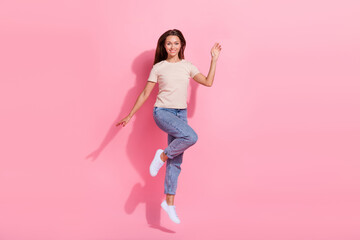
(167, 154)
(169, 192)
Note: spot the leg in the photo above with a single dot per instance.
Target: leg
(170, 199)
(173, 167)
(163, 157)
(172, 173)
(179, 132)
(174, 125)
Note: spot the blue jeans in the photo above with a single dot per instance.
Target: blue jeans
(180, 137)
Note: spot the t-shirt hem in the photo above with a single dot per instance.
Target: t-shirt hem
(175, 107)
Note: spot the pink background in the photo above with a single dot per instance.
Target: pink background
(279, 133)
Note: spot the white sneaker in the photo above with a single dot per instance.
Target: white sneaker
(156, 163)
(170, 211)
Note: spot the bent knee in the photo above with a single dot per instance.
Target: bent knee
(193, 138)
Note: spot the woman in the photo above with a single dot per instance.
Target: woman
(172, 72)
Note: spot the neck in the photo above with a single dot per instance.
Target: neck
(173, 59)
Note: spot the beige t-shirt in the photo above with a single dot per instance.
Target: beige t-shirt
(173, 79)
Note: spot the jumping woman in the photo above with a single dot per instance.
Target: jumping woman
(172, 72)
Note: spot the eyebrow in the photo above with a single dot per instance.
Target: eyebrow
(170, 41)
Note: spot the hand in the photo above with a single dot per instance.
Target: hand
(215, 51)
(124, 121)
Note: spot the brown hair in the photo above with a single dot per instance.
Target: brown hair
(160, 53)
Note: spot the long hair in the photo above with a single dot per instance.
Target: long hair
(160, 53)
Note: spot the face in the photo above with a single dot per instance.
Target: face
(172, 45)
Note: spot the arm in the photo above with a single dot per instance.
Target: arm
(208, 81)
(143, 96)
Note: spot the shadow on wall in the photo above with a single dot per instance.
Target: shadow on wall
(143, 142)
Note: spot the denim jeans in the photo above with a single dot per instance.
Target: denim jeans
(180, 137)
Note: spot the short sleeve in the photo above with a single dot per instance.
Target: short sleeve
(153, 75)
(193, 70)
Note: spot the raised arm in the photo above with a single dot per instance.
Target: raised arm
(208, 81)
(143, 96)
